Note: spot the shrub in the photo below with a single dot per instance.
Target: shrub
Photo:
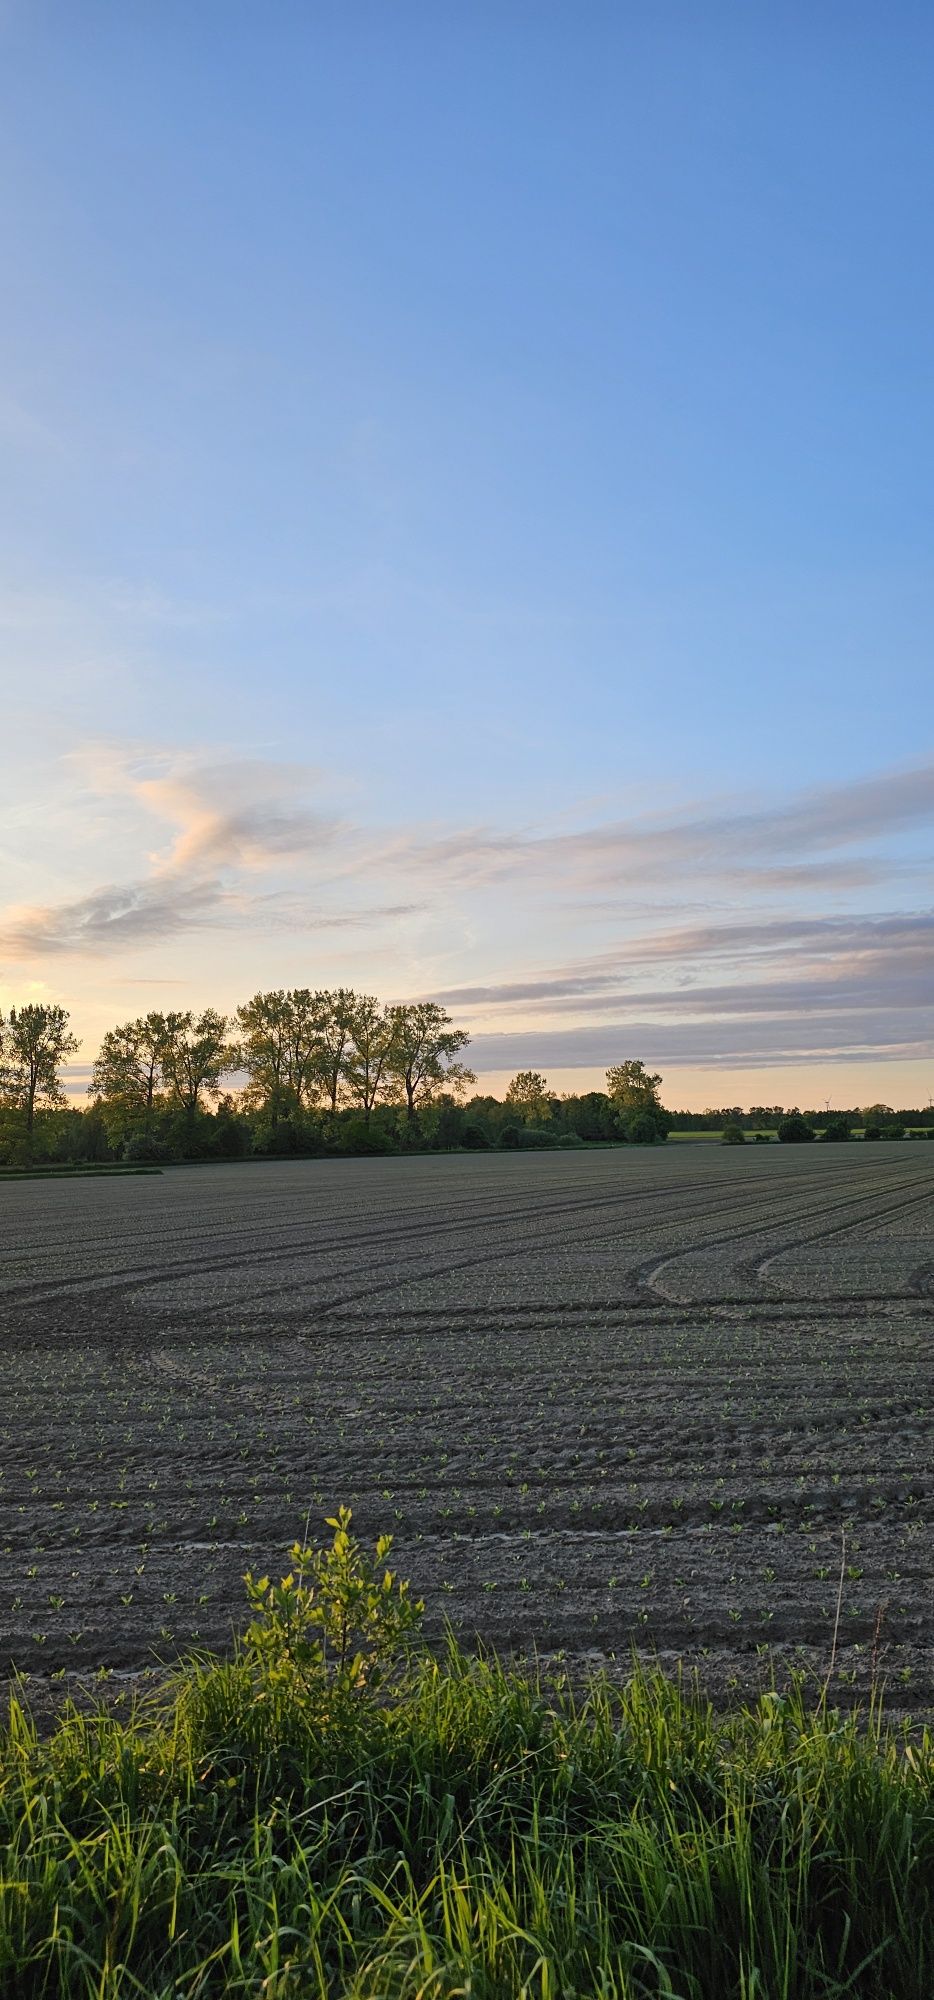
(733, 1135)
(356, 1136)
(592, 1116)
(795, 1131)
(836, 1129)
(87, 1138)
(337, 1625)
(641, 1129)
(527, 1138)
(232, 1138)
(474, 1138)
(450, 1124)
(144, 1149)
(286, 1137)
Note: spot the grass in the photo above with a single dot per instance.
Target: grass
(475, 1832)
(81, 1170)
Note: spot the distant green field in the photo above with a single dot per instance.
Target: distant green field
(679, 1138)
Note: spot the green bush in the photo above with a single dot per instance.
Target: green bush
(276, 1141)
(836, 1129)
(144, 1149)
(733, 1135)
(591, 1116)
(526, 1138)
(474, 1138)
(642, 1129)
(795, 1131)
(335, 1626)
(356, 1136)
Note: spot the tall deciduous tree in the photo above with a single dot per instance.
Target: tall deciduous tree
(194, 1055)
(632, 1087)
(423, 1058)
(33, 1046)
(335, 1014)
(264, 1051)
(528, 1094)
(367, 1063)
(126, 1073)
(305, 1045)
(283, 1048)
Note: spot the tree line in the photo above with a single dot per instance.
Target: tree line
(872, 1119)
(332, 1071)
(297, 1071)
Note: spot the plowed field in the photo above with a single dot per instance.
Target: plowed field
(601, 1399)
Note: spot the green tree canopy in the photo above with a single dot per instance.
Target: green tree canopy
(126, 1073)
(34, 1043)
(284, 1049)
(367, 1067)
(795, 1130)
(193, 1055)
(423, 1057)
(528, 1094)
(334, 1014)
(632, 1087)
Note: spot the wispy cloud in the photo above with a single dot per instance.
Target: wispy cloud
(761, 971)
(230, 813)
(111, 918)
(705, 1045)
(860, 982)
(125, 915)
(233, 825)
(784, 845)
(835, 943)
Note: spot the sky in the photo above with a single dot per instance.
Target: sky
(465, 521)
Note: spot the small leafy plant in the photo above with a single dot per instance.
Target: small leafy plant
(339, 1624)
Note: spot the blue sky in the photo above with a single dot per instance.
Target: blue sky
(465, 524)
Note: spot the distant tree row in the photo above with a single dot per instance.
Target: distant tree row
(320, 1072)
(316, 1071)
(298, 1051)
(769, 1117)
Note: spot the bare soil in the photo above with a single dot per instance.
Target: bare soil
(602, 1400)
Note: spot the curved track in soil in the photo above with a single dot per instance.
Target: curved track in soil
(601, 1399)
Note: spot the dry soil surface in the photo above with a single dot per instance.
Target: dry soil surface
(601, 1399)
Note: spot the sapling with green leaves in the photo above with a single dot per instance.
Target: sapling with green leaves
(339, 1624)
